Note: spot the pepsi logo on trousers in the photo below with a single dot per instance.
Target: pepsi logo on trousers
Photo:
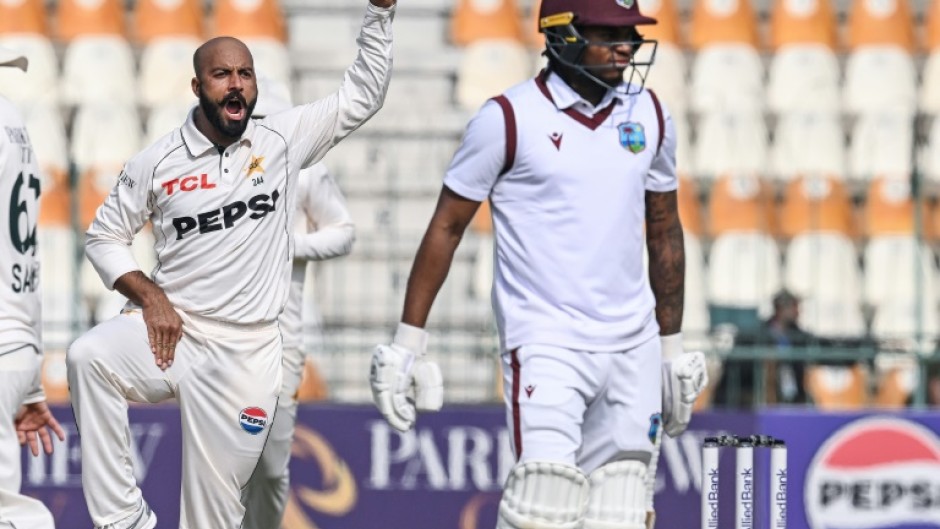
(253, 420)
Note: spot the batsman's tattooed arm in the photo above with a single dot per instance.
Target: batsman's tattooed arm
(667, 259)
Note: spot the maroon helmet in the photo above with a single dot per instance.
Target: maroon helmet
(559, 20)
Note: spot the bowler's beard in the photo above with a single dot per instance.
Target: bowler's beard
(214, 113)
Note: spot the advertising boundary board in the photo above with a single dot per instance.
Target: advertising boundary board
(351, 471)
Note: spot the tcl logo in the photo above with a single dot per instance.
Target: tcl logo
(226, 216)
(187, 183)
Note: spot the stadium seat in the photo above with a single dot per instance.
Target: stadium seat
(159, 19)
(900, 283)
(881, 23)
(724, 35)
(23, 30)
(40, 83)
(929, 100)
(98, 69)
(835, 388)
(808, 144)
(723, 22)
(249, 19)
(804, 71)
(105, 136)
(882, 146)
(312, 386)
(164, 119)
(741, 204)
(743, 272)
(881, 40)
(667, 27)
(47, 136)
(689, 209)
(817, 204)
(488, 67)
(23, 16)
(889, 209)
(822, 270)
(475, 20)
(865, 91)
(896, 377)
(55, 382)
(166, 69)
(272, 58)
(83, 18)
(58, 247)
(804, 78)
(695, 317)
(733, 143)
(744, 262)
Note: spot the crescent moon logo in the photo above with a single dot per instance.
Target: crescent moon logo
(337, 494)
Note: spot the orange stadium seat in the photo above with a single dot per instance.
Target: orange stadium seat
(667, 76)
(689, 210)
(897, 376)
(54, 376)
(808, 144)
(889, 209)
(930, 86)
(804, 70)
(741, 204)
(475, 20)
(816, 204)
(23, 16)
(734, 143)
(881, 23)
(723, 22)
(881, 41)
(77, 18)
(312, 386)
(837, 387)
(249, 19)
(155, 19)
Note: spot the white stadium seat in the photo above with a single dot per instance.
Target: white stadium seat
(166, 68)
(727, 77)
(47, 135)
(806, 144)
(882, 146)
(804, 78)
(743, 271)
(695, 318)
(99, 69)
(271, 57)
(105, 135)
(40, 83)
(667, 76)
(880, 79)
(731, 143)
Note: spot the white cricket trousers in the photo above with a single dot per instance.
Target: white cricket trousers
(266, 494)
(226, 378)
(582, 408)
(19, 372)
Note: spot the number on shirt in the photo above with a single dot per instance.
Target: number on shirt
(22, 228)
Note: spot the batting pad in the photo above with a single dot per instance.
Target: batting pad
(618, 496)
(543, 495)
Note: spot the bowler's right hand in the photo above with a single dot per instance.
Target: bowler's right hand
(400, 370)
(164, 329)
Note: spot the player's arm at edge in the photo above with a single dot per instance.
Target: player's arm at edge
(664, 242)
(452, 215)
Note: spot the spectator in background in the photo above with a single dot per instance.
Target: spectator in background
(781, 331)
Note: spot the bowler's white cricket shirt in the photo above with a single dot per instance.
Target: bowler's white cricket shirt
(20, 297)
(223, 218)
(568, 214)
(323, 229)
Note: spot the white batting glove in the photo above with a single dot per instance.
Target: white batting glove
(404, 380)
(684, 378)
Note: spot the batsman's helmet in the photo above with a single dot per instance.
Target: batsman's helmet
(559, 20)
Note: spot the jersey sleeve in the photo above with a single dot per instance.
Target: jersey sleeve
(482, 153)
(662, 176)
(312, 129)
(324, 205)
(124, 212)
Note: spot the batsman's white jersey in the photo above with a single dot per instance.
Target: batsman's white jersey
(20, 311)
(567, 183)
(323, 230)
(568, 213)
(222, 222)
